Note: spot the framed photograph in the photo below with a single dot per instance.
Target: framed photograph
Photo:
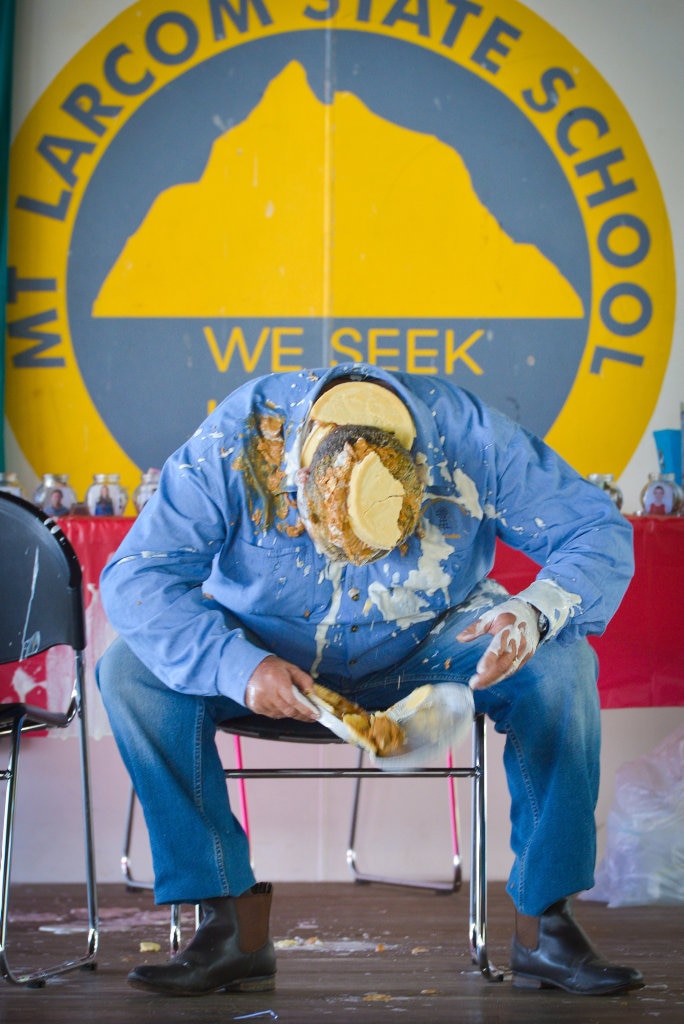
(106, 498)
(661, 498)
(57, 500)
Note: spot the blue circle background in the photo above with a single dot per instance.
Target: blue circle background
(150, 379)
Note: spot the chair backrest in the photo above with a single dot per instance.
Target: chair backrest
(41, 596)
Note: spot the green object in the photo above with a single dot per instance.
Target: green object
(6, 52)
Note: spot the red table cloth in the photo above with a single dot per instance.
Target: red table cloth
(641, 654)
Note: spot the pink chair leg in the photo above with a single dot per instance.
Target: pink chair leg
(244, 812)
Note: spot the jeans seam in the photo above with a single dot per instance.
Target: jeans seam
(198, 794)
(529, 789)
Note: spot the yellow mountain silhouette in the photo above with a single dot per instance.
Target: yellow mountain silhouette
(308, 209)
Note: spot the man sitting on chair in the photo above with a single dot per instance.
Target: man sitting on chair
(339, 525)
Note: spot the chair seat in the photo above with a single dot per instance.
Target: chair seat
(262, 728)
(34, 717)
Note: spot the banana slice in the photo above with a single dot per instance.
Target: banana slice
(374, 503)
(368, 404)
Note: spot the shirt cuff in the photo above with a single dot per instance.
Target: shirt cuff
(557, 604)
(236, 667)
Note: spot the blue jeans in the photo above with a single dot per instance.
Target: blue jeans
(548, 712)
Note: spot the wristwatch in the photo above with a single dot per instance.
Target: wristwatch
(543, 624)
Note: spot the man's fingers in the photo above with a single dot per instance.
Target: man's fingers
(504, 656)
(490, 622)
(495, 662)
(514, 628)
(270, 690)
(472, 631)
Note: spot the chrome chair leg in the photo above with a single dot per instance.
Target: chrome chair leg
(10, 776)
(88, 827)
(37, 978)
(175, 933)
(478, 869)
(132, 884)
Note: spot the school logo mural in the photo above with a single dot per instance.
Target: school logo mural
(216, 189)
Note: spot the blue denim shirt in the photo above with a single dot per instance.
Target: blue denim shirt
(217, 572)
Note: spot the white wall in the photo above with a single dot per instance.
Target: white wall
(302, 832)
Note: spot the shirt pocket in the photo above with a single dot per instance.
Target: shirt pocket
(272, 580)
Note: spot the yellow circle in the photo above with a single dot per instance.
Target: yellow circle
(562, 96)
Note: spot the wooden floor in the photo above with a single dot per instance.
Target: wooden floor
(347, 952)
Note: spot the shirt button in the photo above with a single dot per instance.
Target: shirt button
(354, 629)
(352, 661)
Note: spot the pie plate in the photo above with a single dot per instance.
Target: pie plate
(434, 718)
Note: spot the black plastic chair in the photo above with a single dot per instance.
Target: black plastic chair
(293, 731)
(41, 606)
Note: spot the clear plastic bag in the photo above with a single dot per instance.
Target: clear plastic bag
(644, 858)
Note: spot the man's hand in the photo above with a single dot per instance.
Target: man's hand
(270, 690)
(514, 626)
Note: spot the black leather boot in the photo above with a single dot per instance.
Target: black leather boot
(565, 958)
(230, 950)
